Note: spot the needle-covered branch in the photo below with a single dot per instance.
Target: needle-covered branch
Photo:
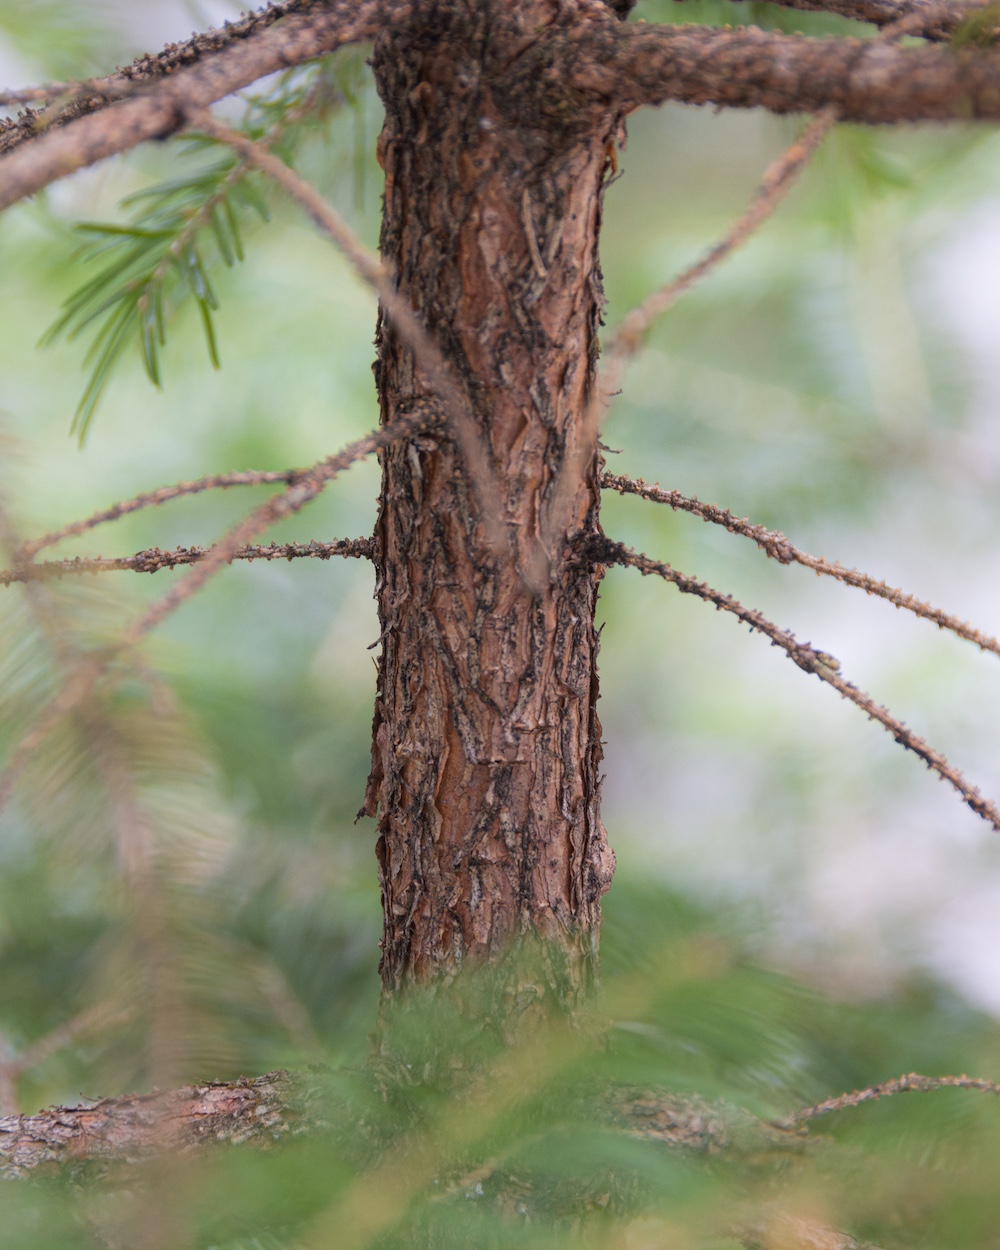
(811, 660)
(777, 547)
(153, 559)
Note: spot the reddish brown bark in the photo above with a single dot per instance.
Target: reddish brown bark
(486, 738)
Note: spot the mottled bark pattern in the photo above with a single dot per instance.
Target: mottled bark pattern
(486, 738)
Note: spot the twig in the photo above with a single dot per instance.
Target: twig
(159, 110)
(91, 1020)
(92, 667)
(27, 95)
(779, 548)
(154, 498)
(810, 660)
(368, 267)
(627, 338)
(913, 1082)
(72, 99)
(153, 559)
(631, 331)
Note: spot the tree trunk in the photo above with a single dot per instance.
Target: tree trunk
(486, 740)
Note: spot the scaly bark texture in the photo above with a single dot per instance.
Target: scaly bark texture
(486, 744)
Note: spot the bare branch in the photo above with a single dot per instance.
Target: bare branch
(810, 660)
(369, 268)
(778, 547)
(153, 559)
(161, 109)
(91, 669)
(69, 100)
(864, 80)
(162, 495)
(628, 335)
(933, 19)
(912, 1082)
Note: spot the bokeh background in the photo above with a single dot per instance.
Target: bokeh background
(839, 379)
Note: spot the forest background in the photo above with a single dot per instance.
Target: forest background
(836, 380)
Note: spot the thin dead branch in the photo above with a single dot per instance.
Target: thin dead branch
(160, 109)
(69, 100)
(912, 1082)
(628, 336)
(811, 660)
(406, 324)
(154, 498)
(777, 547)
(153, 559)
(631, 331)
(92, 668)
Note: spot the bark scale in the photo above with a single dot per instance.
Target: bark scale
(486, 740)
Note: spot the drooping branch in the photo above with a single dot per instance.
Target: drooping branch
(777, 547)
(161, 108)
(153, 559)
(864, 80)
(811, 660)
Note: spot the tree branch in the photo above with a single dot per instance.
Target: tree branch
(777, 547)
(811, 660)
(160, 108)
(864, 80)
(92, 667)
(368, 267)
(912, 1082)
(153, 559)
(154, 498)
(136, 1126)
(932, 19)
(68, 100)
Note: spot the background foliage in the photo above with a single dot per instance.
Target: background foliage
(806, 911)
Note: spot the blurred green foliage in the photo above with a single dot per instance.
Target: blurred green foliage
(813, 384)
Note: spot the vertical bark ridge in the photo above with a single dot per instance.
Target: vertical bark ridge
(486, 740)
